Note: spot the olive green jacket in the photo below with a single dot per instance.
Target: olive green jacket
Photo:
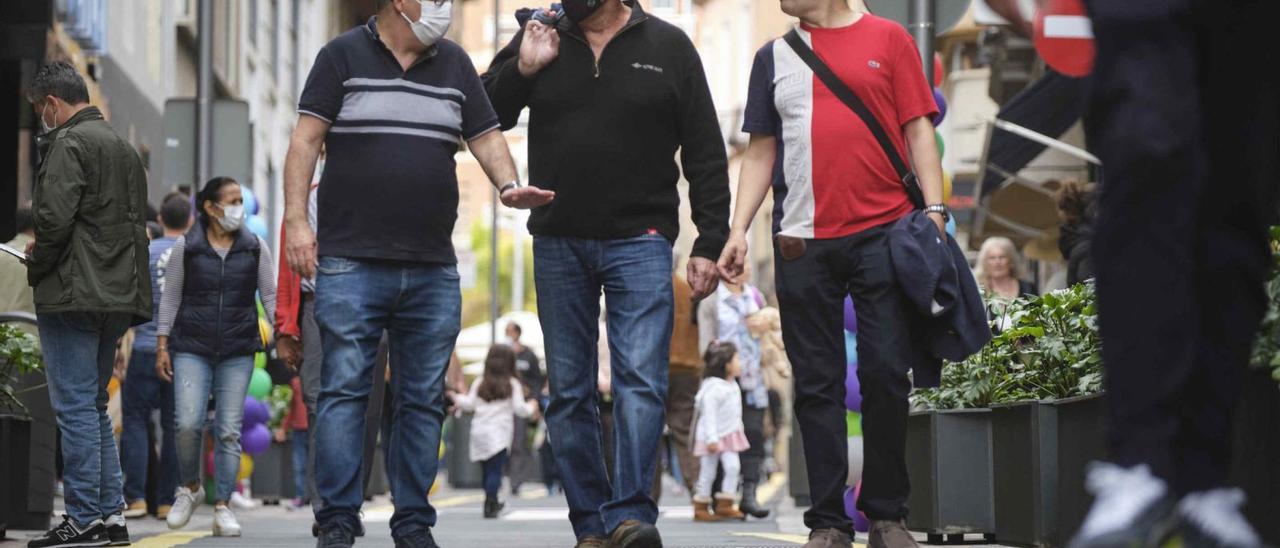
(89, 205)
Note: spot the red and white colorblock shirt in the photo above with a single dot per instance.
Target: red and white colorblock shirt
(831, 178)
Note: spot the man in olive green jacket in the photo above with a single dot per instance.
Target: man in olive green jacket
(88, 266)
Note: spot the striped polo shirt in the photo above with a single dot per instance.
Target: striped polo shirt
(389, 189)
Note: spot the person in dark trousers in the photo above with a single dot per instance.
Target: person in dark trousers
(1188, 131)
(390, 101)
(143, 391)
(209, 311)
(522, 462)
(836, 193)
(298, 339)
(88, 267)
(612, 93)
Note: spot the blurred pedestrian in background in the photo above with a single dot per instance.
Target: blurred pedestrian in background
(766, 326)
(143, 391)
(213, 277)
(999, 270)
(522, 462)
(497, 398)
(724, 317)
(15, 292)
(684, 375)
(298, 337)
(1078, 210)
(294, 429)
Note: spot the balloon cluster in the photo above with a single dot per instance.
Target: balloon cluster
(940, 100)
(853, 418)
(255, 223)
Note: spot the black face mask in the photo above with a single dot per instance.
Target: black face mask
(579, 10)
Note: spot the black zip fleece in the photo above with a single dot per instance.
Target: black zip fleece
(604, 135)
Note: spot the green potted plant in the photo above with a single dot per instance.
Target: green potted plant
(1256, 432)
(19, 356)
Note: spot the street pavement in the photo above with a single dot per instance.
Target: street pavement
(533, 519)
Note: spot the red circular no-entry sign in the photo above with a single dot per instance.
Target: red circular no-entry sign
(1064, 37)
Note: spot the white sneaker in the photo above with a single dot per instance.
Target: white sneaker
(241, 502)
(184, 504)
(1131, 507)
(224, 523)
(1213, 518)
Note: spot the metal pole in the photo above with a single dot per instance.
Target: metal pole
(204, 94)
(494, 311)
(922, 17)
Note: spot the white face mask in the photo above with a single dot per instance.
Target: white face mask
(232, 217)
(434, 22)
(45, 125)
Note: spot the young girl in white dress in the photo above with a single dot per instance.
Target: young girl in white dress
(718, 433)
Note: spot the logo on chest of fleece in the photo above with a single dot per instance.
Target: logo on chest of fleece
(874, 64)
(652, 68)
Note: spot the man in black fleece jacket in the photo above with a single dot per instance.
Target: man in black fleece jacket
(612, 94)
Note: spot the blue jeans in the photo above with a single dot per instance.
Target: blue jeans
(419, 305)
(194, 377)
(79, 354)
(300, 442)
(635, 275)
(143, 392)
(493, 474)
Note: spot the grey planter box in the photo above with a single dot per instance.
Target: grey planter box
(949, 459)
(272, 478)
(1024, 444)
(1254, 447)
(1081, 440)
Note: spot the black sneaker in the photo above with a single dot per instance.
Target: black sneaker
(335, 536)
(68, 534)
(117, 530)
(418, 539)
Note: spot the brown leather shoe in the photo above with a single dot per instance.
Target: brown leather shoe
(725, 508)
(702, 511)
(635, 534)
(828, 538)
(162, 511)
(891, 534)
(592, 542)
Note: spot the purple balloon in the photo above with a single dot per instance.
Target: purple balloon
(255, 440)
(941, 101)
(850, 317)
(860, 522)
(255, 412)
(852, 389)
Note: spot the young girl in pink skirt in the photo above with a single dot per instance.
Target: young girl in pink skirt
(718, 433)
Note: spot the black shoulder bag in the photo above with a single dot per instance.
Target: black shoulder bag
(851, 100)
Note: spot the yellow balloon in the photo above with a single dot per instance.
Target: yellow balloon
(264, 331)
(246, 467)
(434, 487)
(946, 187)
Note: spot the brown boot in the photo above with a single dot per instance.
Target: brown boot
(702, 510)
(592, 542)
(725, 508)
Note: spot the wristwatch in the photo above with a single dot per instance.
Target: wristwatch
(513, 185)
(941, 209)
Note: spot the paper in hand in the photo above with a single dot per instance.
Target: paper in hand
(17, 254)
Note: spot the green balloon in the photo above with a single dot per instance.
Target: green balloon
(260, 384)
(852, 424)
(210, 490)
(942, 148)
(259, 360)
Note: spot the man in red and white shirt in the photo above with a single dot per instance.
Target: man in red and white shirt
(835, 193)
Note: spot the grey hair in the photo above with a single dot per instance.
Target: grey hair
(60, 80)
(1005, 244)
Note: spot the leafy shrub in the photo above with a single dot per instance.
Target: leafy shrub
(19, 355)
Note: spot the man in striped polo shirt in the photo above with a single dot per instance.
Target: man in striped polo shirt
(392, 101)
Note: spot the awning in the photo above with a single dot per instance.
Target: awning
(1015, 201)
